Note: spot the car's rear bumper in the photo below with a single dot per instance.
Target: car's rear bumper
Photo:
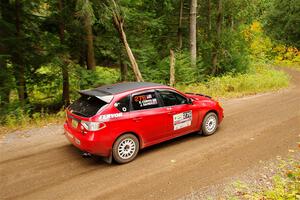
(87, 143)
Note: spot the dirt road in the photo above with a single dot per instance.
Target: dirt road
(41, 164)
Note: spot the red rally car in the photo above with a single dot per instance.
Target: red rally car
(116, 121)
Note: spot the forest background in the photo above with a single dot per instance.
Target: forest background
(49, 49)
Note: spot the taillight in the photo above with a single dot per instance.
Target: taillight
(93, 126)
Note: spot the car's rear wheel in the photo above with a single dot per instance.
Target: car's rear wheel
(125, 148)
(210, 123)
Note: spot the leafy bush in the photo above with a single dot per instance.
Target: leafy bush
(260, 45)
(234, 53)
(81, 78)
(287, 56)
(184, 72)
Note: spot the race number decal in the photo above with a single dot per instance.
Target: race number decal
(182, 120)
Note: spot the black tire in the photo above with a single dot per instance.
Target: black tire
(125, 148)
(210, 124)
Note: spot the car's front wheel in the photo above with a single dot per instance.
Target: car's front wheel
(125, 148)
(210, 124)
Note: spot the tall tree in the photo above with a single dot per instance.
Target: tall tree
(172, 68)
(64, 67)
(4, 82)
(87, 14)
(119, 24)
(193, 31)
(208, 18)
(180, 24)
(6, 34)
(91, 63)
(217, 39)
(18, 60)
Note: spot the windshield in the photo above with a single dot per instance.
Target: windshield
(86, 106)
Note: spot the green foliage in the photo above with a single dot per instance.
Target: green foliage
(287, 56)
(45, 89)
(234, 53)
(84, 79)
(260, 45)
(282, 22)
(85, 9)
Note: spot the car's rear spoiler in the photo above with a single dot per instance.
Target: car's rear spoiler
(199, 95)
(102, 95)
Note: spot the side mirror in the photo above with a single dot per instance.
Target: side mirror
(189, 101)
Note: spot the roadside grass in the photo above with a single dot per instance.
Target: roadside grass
(260, 79)
(22, 120)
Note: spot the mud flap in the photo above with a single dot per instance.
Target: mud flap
(108, 159)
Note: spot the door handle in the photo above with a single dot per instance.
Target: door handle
(171, 112)
(137, 119)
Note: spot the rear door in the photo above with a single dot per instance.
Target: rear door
(148, 116)
(181, 118)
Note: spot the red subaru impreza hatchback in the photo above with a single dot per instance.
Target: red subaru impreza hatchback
(116, 121)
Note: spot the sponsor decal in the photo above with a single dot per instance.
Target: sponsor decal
(182, 120)
(110, 116)
(148, 102)
(145, 100)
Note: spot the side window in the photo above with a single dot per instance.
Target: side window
(181, 99)
(144, 101)
(171, 98)
(123, 104)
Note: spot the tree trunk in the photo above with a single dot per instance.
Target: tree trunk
(118, 22)
(180, 25)
(217, 41)
(20, 72)
(172, 68)
(64, 67)
(91, 64)
(5, 88)
(124, 70)
(193, 31)
(66, 88)
(209, 19)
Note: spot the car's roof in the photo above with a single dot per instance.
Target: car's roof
(107, 90)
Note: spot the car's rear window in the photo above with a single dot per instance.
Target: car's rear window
(86, 106)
